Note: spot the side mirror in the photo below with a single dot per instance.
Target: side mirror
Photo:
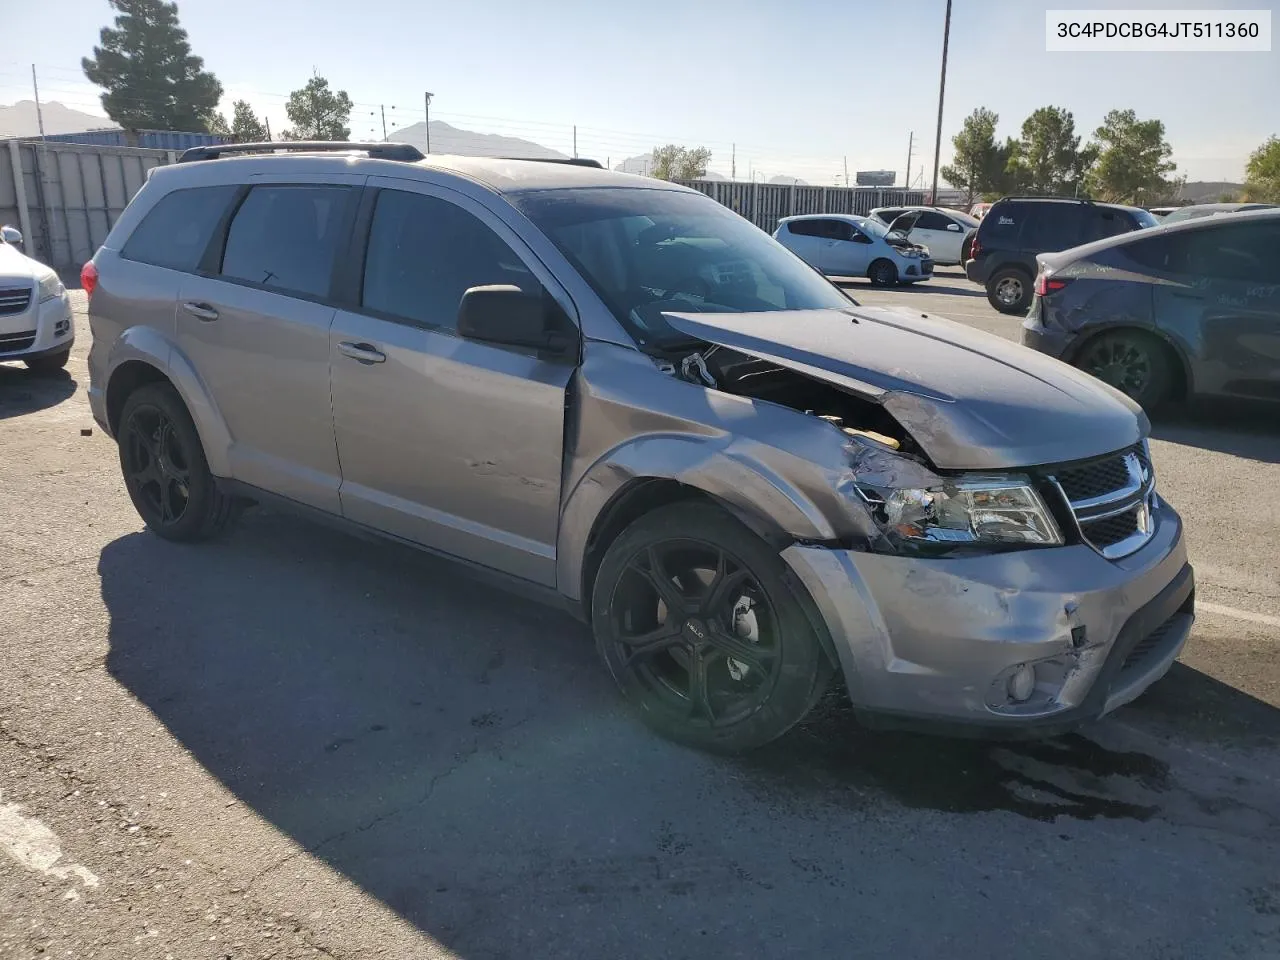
(11, 235)
(953, 227)
(506, 315)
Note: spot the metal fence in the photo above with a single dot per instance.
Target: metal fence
(764, 204)
(65, 197)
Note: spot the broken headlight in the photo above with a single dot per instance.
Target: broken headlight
(974, 510)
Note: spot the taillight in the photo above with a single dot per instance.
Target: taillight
(88, 277)
(975, 248)
(1046, 285)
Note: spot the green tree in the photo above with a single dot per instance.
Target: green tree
(1262, 174)
(980, 162)
(218, 124)
(145, 64)
(245, 125)
(1048, 158)
(1133, 161)
(318, 113)
(679, 163)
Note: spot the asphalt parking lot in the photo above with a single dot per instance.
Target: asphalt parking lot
(291, 743)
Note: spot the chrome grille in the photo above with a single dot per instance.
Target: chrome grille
(1112, 499)
(14, 300)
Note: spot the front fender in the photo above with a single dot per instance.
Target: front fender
(733, 470)
(154, 348)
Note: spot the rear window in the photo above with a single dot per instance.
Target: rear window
(1003, 223)
(285, 237)
(177, 230)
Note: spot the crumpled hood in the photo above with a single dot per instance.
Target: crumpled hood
(970, 399)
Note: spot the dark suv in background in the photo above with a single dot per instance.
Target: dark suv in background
(1002, 255)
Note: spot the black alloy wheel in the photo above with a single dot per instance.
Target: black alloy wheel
(1133, 362)
(705, 639)
(883, 273)
(165, 470)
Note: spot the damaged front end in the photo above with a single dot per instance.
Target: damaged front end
(912, 507)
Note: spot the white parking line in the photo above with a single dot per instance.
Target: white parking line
(36, 847)
(1248, 615)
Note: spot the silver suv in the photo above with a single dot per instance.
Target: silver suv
(617, 392)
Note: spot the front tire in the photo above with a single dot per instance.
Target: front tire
(698, 624)
(882, 273)
(1009, 290)
(165, 470)
(49, 364)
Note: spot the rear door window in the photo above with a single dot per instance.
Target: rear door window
(931, 220)
(285, 236)
(806, 228)
(1051, 226)
(176, 231)
(840, 230)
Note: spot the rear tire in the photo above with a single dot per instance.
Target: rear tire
(1135, 363)
(882, 273)
(1009, 290)
(165, 470)
(698, 624)
(49, 364)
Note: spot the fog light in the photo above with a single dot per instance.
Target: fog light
(1022, 683)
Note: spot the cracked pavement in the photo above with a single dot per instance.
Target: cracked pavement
(291, 743)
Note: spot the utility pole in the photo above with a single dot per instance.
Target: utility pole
(384, 122)
(911, 142)
(267, 123)
(575, 141)
(846, 173)
(733, 162)
(426, 126)
(35, 86)
(942, 89)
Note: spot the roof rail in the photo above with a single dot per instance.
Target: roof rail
(571, 161)
(1030, 197)
(376, 150)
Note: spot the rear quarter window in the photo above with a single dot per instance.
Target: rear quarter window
(176, 231)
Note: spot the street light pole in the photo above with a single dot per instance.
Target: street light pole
(942, 89)
(426, 126)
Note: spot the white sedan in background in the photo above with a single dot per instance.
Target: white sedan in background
(35, 311)
(842, 245)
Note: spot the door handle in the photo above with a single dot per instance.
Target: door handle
(364, 352)
(201, 311)
(1188, 295)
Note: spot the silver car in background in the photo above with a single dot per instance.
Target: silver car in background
(616, 393)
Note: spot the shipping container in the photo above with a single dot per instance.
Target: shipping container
(147, 139)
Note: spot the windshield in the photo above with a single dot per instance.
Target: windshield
(874, 227)
(646, 252)
(1146, 218)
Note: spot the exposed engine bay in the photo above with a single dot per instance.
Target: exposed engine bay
(743, 375)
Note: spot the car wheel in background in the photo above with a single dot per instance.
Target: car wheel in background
(165, 470)
(1135, 363)
(1009, 290)
(696, 620)
(882, 273)
(50, 363)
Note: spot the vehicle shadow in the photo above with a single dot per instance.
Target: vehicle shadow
(22, 391)
(1249, 429)
(461, 757)
(940, 283)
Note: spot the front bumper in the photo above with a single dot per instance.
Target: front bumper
(40, 330)
(933, 642)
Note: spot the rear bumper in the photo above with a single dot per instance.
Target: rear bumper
(934, 643)
(974, 271)
(1055, 343)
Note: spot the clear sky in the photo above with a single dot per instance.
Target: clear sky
(798, 86)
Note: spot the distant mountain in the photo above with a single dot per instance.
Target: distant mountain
(1209, 191)
(641, 164)
(446, 138)
(788, 181)
(19, 120)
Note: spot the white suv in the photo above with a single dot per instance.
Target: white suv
(35, 310)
